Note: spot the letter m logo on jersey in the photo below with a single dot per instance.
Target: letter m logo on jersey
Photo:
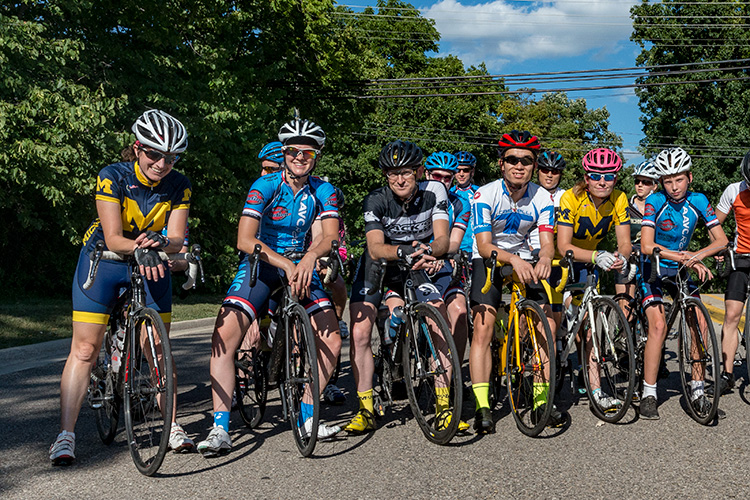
(587, 230)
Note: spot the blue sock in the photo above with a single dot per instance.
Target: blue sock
(221, 419)
(306, 411)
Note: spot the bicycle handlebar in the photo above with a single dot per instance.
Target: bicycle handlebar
(195, 265)
(566, 264)
(655, 265)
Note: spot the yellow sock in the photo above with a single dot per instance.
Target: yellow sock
(541, 389)
(481, 394)
(442, 399)
(365, 401)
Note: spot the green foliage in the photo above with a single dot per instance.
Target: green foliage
(76, 74)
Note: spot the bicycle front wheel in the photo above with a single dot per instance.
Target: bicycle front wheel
(433, 373)
(700, 361)
(302, 380)
(251, 386)
(149, 391)
(609, 362)
(530, 372)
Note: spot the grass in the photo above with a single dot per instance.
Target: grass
(29, 320)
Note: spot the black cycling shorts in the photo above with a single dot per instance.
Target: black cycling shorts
(737, 282)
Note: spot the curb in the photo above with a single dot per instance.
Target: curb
(13, 359)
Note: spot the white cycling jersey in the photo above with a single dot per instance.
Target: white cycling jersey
(534, 234)
(509, 222)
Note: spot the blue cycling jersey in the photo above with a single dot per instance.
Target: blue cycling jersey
(467, 195)
(285, 218)
(459, 212)
(674, 222)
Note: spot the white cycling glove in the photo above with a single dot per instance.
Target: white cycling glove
(605, 259)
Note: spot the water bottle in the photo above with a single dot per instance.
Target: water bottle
(397, 319)
(570, 313)
(118, 346)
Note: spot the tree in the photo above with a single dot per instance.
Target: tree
(704, 112)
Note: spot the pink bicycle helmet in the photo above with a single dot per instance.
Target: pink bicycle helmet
(602, 161)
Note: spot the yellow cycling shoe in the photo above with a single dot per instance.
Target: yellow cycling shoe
(443, 420)
(363, 421)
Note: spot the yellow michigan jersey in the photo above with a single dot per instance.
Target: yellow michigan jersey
(591, 224)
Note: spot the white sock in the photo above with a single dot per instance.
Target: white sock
(649, 390)
(697, 389)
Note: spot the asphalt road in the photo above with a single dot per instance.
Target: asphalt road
(670, 458)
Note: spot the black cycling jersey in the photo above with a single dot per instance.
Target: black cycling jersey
(404, 223)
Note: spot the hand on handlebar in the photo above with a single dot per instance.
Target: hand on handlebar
(417, 255)
(542, 269)
(524, 270)
(149, 263)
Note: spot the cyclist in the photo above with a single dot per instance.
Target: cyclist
(134, 201)
(587, 212)
(407, 220)
(669, 219)
(465, 190)
(505, 211)
(278, 213)
(736, 197)
(644, 180)
(332, 393)
(441, 166)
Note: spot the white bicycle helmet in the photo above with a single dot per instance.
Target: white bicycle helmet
(646, 169)
(161, 131)
(672, 161)
(302, 132)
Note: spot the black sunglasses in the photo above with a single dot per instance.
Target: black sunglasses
(154, 155)
(647, 182)
(514, 160)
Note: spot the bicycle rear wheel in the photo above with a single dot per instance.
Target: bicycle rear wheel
(530, 369)
(301, 376)
(251, 386)
(700, 361)
(103, 396)
(433, 371)
(612, 343)
(149, 391)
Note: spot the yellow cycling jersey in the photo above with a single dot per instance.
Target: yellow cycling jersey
(590, 224)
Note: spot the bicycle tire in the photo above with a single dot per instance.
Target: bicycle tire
(149, 391)
(746, 339)
(384, 373)
(614, 342)
(524, 364)
(301, 374)
(251, 386)
(639, 330)
(104, 397)
(421, 370)
(709, 354)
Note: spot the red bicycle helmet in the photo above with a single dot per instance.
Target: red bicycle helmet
(520, 139)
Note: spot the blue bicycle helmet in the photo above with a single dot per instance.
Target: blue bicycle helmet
(441, 160)
(272, 152)
(466, 158)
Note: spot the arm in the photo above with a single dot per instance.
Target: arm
(565, 243)
(247, 233)
(457, 235)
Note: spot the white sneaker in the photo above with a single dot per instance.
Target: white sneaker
(344, 329)
(607, 403)
(62, 451)
(179, 442)
(217, 443)
(324, 431)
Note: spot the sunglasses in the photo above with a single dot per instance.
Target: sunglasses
(406, 173)
(465, 170)
(549, 171)
(441, 177)
(307, 154)
(606, 177)
(647, 182)
(155, 156)
(514, 160)
(271, 170)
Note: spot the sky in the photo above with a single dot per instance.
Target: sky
(529, 36)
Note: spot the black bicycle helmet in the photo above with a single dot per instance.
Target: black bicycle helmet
(745, 167)
(518, 139)
(399, 154)
(551, 160)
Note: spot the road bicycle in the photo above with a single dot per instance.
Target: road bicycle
(609, 352)
(522, 349)
(724, 269)
(423, 355)
(698, 349)
(251, 364)
(134, 369)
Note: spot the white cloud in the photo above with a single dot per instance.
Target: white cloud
(499, 32)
